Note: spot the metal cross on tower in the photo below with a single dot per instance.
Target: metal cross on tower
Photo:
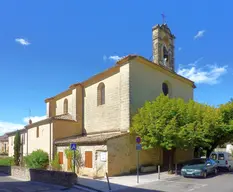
(163, 16)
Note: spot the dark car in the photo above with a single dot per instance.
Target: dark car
(199, 168)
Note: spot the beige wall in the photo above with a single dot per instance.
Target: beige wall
(99, 167)
(146, 84)
(4, 147)
(43, 141)
(60, 103)
(125, 146)
(103, 117)
(183, 155)
(11, 145)
(64, 128)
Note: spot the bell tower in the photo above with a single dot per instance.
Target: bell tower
(163, 46)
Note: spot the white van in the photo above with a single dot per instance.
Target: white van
(224, 159)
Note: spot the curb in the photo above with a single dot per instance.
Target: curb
(88, 187)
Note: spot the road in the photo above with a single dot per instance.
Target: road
(222, 182)
(9, 184)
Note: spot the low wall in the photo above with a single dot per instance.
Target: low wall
(5, 169)
(67, 179)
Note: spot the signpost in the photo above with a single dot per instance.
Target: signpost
(138, 148)
(73, 147)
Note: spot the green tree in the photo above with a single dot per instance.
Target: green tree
(70, 156)
(17, 148)
(159, 123)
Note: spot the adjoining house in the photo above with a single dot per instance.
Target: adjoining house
(97, 112)
(4, 144)
(23, 141)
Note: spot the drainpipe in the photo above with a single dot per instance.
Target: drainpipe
(27, 141)
(50, 155)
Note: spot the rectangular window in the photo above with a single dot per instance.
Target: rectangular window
(88, 159)
(60, 156)
(37, 132)
(220, 156)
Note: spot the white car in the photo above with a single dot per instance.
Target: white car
(223, 159)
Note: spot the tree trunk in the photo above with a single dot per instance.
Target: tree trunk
(171, 160)
(208, 151)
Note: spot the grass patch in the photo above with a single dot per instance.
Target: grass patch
(6, 161)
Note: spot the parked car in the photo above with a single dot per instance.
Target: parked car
(199, 168)
(223, 159)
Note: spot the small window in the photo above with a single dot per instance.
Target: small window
(65, 106)
(101, 94)
(214, 156)
(60, 156)
(165, 89)
(221, 156)
(88, 159)
(37, 132)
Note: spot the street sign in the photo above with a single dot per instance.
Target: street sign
(138, 139)
(138, 147)
(73, 146)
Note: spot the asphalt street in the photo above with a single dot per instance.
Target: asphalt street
(222, 182)
(9, 184)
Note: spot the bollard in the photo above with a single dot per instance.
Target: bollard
(176, 169)
(109, 187)
(158, 172)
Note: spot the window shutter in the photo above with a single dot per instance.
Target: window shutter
(60, 154)
(88, 159)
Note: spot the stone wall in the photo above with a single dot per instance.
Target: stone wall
(67, 179)
(20, 172)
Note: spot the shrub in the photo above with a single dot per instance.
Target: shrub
(6, 161)
(70, 156)
(37, 159)
(55, 163)
(17, 148)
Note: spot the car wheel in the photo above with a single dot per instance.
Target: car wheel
(205, 174)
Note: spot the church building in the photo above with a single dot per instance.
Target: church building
(96, 113)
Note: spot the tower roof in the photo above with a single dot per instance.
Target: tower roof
(163, 27)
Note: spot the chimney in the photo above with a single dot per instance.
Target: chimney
(30, 121)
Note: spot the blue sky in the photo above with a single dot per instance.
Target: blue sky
(48, 45)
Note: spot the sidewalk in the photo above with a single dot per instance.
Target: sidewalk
(121, 182)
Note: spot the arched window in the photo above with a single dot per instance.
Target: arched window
(165, 55)
(65, 106)
(101, 94)
(165, 89)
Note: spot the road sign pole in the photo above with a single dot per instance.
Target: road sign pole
(137, 166)
(74, 160)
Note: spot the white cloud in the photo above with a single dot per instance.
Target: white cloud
(209, 74)
(22, 41)
(112, 57)
(199, 34)
(34, 119)
(8, 126)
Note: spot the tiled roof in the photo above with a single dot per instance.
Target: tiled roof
(89, 139)
(64, 117)
(4, 138)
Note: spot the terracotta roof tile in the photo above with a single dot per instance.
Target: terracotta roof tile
(89, 139)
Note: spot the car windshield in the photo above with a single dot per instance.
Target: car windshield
(197, 162)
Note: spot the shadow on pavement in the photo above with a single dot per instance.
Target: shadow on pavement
(101, 185)
(8, 183)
